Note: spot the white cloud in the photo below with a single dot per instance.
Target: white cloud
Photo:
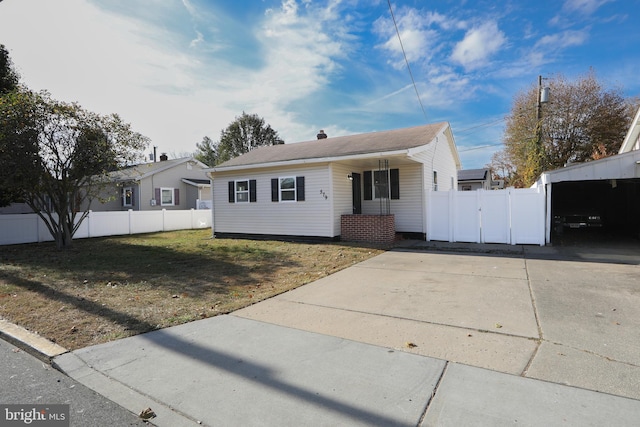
(547, 49)
(148, 73)
(419, 40)
(562, 40)
(478, 45)
(585, 7)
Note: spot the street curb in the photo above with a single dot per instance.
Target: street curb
(30, 342)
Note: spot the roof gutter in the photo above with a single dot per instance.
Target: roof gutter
(406, 152)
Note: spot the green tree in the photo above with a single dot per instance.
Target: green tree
(57, 156)
(207, 152)
(243, 135)
(583, 121)
(9, 78)
(9, 81)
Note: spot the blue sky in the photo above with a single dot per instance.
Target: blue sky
(178, 70)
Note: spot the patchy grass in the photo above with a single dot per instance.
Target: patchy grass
(105, 289)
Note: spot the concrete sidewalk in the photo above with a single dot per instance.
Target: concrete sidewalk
(421, 336)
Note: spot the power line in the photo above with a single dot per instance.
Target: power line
(480, 148)
(406, 60)
(481, 125)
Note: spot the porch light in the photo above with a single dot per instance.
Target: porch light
(349, 177)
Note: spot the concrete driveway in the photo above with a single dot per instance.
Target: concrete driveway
(565, 315)
(428, 335)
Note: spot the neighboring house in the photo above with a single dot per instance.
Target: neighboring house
(474, 179)
(167, 184)
(303, 190)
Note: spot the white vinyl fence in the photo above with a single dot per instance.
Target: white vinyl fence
(29, 228)
(512, 216)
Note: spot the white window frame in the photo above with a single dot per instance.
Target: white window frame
(171, 191)
(375, 188)
(237, 193)
(293, 190)
(124, 196)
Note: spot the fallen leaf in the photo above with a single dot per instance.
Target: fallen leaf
(147, 414)
(410, 345)
(498, 325)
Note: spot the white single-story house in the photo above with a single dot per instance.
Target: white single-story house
(317, 189)
(166, 184)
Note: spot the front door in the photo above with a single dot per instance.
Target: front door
(356, 191)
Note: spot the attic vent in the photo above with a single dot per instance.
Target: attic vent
(321, 135)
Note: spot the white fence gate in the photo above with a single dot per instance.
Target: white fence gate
(29, 228)
(512, 216)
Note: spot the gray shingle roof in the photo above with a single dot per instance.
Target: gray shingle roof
(341, 146)
(145, 169)
(472, 174)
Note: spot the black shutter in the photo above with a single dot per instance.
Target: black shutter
(157, 195)
(274, 190)
(300, 188)
(133, 196)
(368, 195)
(252, 191)
(176, 197)
(232, 192)
(395, 183)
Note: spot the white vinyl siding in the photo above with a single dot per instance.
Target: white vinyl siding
(311, 217)
(438, 157)
(342, 197)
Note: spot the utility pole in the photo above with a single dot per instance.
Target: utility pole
(542, 98)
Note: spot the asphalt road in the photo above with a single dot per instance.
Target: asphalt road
(27, 380)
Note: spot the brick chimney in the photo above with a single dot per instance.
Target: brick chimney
(321, 135)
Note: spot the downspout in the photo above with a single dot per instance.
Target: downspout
(213, 209)
(548, 224)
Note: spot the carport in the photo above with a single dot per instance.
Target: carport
(600, 196)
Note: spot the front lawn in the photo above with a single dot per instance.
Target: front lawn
(104, 289)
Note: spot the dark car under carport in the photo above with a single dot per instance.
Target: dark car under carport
(611, 206)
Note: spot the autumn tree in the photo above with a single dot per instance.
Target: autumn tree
(243, 135)
(583, 121)
(56, 156)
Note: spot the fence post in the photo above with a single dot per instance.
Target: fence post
(164, 227)
(89, 224)
(130, 212)
(452, 215)
(512, 239)
(427, 219)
